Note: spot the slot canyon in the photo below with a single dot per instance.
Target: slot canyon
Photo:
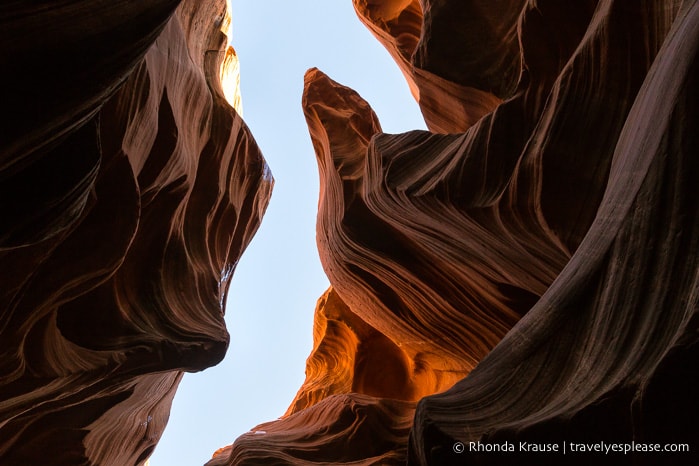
(524, 273)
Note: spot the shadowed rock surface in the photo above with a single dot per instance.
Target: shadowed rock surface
(525, 271)
(529, 266)
(342, 429)
(130, 188)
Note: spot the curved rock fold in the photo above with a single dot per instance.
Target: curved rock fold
(130, 190)
(524, 271)
(530, 263)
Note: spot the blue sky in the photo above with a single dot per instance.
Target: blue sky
(279, 278)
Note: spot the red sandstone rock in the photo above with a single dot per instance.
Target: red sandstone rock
(449, 101)
(533, 257)
(609, 352)
(350, 356)
(130, 188)
(347, 429)
(407, 279)
(560, 193)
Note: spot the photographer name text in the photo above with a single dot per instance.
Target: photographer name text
(572, 447)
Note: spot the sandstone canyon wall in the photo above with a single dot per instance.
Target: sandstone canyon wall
(130, 188)
(526, 270)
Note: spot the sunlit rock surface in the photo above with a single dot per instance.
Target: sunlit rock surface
(524, 271)
(527, 269)
(130, 188)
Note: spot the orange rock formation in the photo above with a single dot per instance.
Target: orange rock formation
(129, 190)
(538, 244)
(525, 271)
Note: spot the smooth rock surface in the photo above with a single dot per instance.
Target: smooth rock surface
(130, 188)
(525, 271)
(530, 264)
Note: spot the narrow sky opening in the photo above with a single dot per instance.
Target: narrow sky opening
(279, 278)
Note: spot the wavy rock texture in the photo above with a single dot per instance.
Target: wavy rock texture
(129, 190)
(343, 429)
(351, 356)
(539, 244)
(610, 351)
(457, 74)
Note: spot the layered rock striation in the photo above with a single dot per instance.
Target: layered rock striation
(130, 188)
(527, 269)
